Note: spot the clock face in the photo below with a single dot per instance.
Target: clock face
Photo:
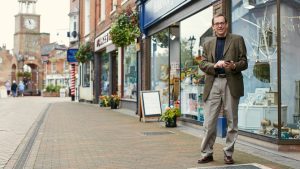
(30, 23)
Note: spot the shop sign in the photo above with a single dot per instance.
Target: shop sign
(156, 10)
(103, 40)
(71, 55)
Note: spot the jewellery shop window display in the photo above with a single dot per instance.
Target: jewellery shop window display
(130, 72)
(258, 109)
(194, 31)
(105, 74)
(160, 65)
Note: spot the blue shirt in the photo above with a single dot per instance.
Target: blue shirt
(219, 53)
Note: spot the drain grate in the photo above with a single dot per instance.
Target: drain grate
(241, 166)
(155, 133)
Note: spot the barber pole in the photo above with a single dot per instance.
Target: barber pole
(73, 81)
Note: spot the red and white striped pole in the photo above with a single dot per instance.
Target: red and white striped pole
(73, 82)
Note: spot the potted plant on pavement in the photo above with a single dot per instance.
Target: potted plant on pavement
(170, 116)
(114, 101)
(104, 101)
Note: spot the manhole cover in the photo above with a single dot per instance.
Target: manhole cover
(240, 166)
(155, 133)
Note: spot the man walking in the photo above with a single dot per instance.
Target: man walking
(224, 57)
(14, 88)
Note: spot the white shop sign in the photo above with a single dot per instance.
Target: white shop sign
(103, 40)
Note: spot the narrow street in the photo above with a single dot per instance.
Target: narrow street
(38, 132)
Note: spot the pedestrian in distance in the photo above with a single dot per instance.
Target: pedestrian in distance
(21, 88)
(8, 87)
(224, 57)
(14, 88)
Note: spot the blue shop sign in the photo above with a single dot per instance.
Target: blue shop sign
(154, 10)
(71, 55)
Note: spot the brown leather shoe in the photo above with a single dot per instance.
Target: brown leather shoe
(206, 159)
(228, 159)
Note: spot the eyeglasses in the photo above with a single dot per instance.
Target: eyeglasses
(219, 24)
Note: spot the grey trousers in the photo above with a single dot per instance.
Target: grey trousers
(220, 94)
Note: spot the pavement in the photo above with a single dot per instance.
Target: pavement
(71, 135)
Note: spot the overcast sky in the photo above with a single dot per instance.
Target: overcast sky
(54, 20)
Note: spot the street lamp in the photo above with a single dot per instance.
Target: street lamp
(192, 40)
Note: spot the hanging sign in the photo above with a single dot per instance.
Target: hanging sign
(71, 55)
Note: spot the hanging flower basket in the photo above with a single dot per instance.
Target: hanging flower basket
(125, 28)
(84, 53)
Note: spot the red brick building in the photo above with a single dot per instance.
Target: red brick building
(8, 66)
(56, 68)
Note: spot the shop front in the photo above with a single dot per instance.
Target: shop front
(175, 34)
(116, 71)
(175, 50)
(129, 77)
(106, 66)
(270, 108)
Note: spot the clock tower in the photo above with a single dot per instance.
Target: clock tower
(27, 44)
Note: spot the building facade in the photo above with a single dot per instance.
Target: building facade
(115, 67)
(8, 66)
(104, 73)
(174, 35)
(171, 45)
(56, 67)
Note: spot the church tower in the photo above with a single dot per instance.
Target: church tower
(27, 45)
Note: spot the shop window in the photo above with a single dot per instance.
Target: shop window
(258, 109)
(194, 31)
(86, 75)
(104, 74)
(130, 72)
(160, 65)
(258, 27)
(290, 69)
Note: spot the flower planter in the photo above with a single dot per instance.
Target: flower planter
(171, 122)
(113, 105)
(50, 94)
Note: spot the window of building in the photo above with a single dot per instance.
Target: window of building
(113, 5)
(86, 75)
(194, 31)
(53, 67)
(258, 109)
(104, 74)
(257, 26)
(130, 72)
(102, 10)
(87, 17)
(290, 69)
(66, 66)
(160, 65)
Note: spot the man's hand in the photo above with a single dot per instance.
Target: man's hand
(230, 65)
(220, 64)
